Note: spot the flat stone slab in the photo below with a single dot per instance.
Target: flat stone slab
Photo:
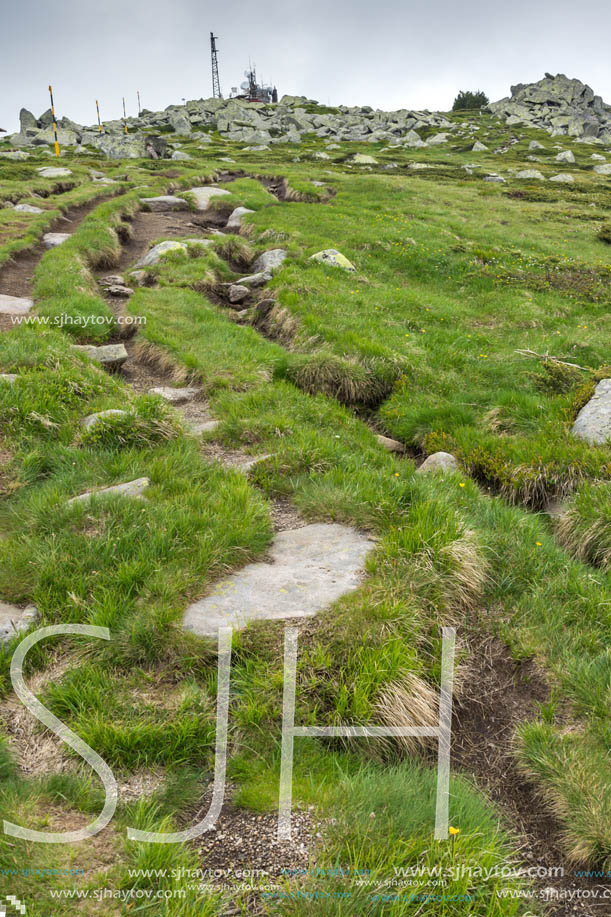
(8, 377)
(13, 620)
(593, 422)
(309, 568)
(133, 489)
(111, 356)
(53, 239)
(53, 172)
(15, 305)
(203, 196)
(165, 202)
(174, 395)
(28, 208)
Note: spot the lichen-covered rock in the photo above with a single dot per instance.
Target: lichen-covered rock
(565, 156)
(175, 395)
(333, 258)
(563, 177)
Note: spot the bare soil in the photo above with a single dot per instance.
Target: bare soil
(499, 694)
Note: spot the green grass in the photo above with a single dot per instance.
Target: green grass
(421, 342)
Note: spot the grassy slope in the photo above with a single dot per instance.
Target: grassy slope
(95, 565)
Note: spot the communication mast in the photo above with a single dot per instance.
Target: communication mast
(216, 84)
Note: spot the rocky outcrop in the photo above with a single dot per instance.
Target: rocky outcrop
(559, 105)
(247, 122)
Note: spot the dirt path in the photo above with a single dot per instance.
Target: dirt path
(17, 275)
(500, 694)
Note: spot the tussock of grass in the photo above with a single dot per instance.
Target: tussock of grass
(573, 776)
(350, 382)
(584, 527)
(154, 356)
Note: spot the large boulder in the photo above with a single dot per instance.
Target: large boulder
(593, 422)
(27, 121)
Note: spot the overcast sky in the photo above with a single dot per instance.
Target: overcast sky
(387, 53)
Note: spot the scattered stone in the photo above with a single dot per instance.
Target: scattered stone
(112, 280)
(439, 461)
(479, 147)
(565, 156)
(593, 422)
(53, 172)
(598, 157)
(603, 170)
(204, 195)
(19, 155)
(363, 159)
(309, 568)
(235, 220)
(562, 177)
(530, 174)
(14, 620)
(392, 445)
(94, 419)
(180, 156)
(53, 239)
(333, 258)
(164, 203)
(28, 208)
(256, 280)
(535, 145)
(134, 489)
(270, 260)
(8, 377)
(237, 292)
(140, 277)
(437, 139)
(111, 356)
(158, 251)
(495, 178)
(175, 395)
(119, 290)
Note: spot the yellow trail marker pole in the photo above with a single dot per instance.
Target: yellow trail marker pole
(124, 116)
(98, 111)
(54, 122)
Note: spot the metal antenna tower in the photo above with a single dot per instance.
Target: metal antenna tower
(216, 83)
